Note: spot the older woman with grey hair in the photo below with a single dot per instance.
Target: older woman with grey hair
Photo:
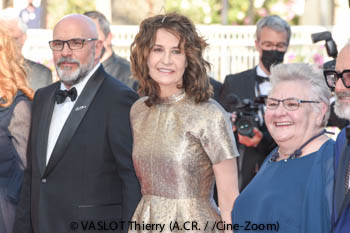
(292, 191)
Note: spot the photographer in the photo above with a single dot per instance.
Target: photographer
(272, 40)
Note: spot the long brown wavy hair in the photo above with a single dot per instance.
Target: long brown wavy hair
(195, 80)
(13, 75)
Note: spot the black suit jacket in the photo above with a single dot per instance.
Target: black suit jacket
(38, 75)
(216, 88)
(243, 85)
(119, 68)
(90, 175)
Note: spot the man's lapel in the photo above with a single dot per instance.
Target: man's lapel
(339, 191)
(76, 115)
(44, 126)
(253, 83)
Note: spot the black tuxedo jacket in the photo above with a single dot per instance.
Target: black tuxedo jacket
(243, 85)
(38, 75)
(90, 175)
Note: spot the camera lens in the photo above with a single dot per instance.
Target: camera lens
(245, 126)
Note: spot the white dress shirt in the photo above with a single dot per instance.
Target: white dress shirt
(61, 113)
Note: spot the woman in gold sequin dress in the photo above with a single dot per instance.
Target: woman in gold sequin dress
(183, 140)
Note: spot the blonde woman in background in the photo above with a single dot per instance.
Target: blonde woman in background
(15, 110)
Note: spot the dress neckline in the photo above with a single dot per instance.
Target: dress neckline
(309, 155)
(174, 98)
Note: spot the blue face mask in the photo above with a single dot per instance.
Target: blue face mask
(271, 57)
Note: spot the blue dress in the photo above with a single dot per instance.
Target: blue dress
(293, 196)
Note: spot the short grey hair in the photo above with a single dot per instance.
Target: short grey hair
(307, 74)
(274, 22)
(102, 21)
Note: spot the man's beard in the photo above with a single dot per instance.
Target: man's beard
(69, 77)
(342, 109)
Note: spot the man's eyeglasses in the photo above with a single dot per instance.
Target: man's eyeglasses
(291, 104)
(332, 77)
(73, 44)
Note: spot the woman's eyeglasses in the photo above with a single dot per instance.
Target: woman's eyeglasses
(291, 104)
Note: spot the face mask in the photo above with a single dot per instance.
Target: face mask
(271, 57)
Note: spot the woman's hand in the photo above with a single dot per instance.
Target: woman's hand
(227, 186)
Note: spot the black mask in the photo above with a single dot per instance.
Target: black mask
(271, 57)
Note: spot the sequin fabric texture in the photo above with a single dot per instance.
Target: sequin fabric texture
(176, 144)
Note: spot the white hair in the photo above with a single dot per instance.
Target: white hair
(11, 14)
(307, 74)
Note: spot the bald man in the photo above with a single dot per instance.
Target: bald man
(340, 80)
(80, 174)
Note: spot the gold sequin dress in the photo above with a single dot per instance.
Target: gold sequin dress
(176, 144)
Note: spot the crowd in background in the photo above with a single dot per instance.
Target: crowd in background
(89, 147)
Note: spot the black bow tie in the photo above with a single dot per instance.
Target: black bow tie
(261, 79)
(62, 95)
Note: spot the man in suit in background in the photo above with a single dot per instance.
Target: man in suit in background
(114, 65)
(38, 75)
(340, 79)
(216, 88)
(272, 40)
(80, 170)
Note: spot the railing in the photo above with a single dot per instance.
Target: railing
(231, 48)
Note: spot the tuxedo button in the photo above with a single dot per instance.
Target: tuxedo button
(43, 180)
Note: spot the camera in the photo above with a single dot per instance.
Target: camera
(247, 113)
(330, 45)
